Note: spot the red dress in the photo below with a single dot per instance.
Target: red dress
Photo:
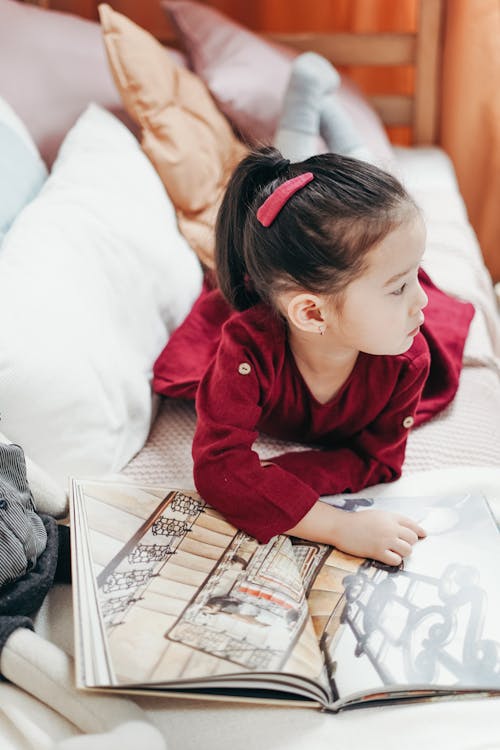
(239, 367)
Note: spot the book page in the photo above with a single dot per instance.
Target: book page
(432, 623)
(183, 597)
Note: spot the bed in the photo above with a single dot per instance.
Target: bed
(458, 449)
(453, 257)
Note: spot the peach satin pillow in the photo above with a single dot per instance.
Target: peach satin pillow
(190, 143)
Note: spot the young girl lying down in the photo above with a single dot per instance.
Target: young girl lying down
(322, 329)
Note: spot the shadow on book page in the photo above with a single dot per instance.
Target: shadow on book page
(434, 620)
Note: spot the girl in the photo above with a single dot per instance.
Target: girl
(316, 334)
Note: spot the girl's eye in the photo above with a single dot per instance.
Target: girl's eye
(399, 291)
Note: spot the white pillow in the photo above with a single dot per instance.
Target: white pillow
(11, 119)
(94, 275)
(22, 171)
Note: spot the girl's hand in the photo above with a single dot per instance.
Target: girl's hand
(376, 534)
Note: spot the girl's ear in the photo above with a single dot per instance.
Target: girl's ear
(304, 312)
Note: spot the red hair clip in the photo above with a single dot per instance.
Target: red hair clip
(271, 207)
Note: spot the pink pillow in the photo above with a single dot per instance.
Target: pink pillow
(247, 75)
(51, 66)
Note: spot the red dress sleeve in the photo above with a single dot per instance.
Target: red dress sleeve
(263, 501)
(376, 454)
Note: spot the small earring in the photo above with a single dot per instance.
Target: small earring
(321, 330)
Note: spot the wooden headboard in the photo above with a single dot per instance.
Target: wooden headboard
(422, 50)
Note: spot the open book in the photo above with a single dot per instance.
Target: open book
(170, 598)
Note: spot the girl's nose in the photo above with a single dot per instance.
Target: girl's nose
(421, 299)
(424, 299)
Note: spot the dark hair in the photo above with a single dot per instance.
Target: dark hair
(319, 239)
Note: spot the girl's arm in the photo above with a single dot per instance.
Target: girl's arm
(375, 534)
(268, 500)
(263, 501)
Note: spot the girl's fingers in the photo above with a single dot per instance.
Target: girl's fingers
(410, 524)
(391, 558)
(408, 535)
(402, 548)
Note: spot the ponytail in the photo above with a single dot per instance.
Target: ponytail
(234, 221)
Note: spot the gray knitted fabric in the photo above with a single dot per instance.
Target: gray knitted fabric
(31, 546)
(22, 533)
(23, 597)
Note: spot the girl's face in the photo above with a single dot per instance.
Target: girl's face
(381, 311)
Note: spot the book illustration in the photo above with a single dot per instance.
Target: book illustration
(169, 596)
(207, 598)
(145, 555)
(427, 624)
(445, 636)
(253, 607)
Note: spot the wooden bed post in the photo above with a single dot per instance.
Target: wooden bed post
(428, 72)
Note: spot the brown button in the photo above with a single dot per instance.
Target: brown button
(244, 368)
(408, 422)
